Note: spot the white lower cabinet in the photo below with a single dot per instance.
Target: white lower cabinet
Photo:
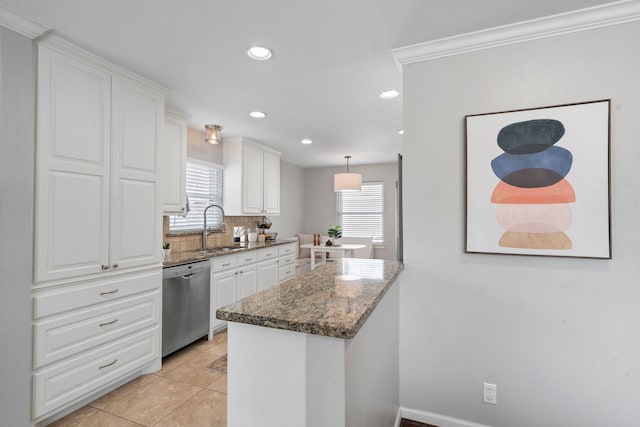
(63, 383)
(90, 335)
(267, 274)
(238, 276)
(267, 268)
(286, 262)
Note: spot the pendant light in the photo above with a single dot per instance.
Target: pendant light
(213, 134)
(347, 181)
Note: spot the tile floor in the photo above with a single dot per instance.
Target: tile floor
(184, 393)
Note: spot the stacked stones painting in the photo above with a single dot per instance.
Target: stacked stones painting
(538, 181)
(532, 198)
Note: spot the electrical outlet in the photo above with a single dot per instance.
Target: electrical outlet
(489, 393)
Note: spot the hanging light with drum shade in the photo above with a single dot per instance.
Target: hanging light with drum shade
(347, 181)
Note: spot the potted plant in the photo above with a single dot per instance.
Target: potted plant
(166, 249)
(334, 232)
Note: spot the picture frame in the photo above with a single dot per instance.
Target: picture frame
(537, 181)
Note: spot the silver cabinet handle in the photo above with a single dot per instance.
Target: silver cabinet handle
(115, 265)
(224, 265)
(236, 273)
(105, 267)
(269, 254)
(109, 292)
(108, 364)
(108, 323)
(287, 272)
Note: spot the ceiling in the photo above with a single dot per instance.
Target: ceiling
(331, 60)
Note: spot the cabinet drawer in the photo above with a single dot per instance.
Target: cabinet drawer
(224, 262)
(286, 260)
(247, 257)
(59, 300)
(286, 272)
(268, 253)
(287, 249)
(65, 335)
(81, 376)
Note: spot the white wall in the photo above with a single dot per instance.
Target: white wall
(320, 201)
(16, 222)
(560, 337)
(291, 218)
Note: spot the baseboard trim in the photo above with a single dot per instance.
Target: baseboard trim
(433, 418)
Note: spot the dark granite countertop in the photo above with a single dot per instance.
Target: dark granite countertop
(333, 300)
(185, 257)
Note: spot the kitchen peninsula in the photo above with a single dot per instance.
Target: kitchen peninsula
(318, 350)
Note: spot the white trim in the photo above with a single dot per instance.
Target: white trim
(20, 23)
(55, 42)
(620, 12)
(435, 419)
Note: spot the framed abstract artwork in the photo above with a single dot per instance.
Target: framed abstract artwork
(537, 181)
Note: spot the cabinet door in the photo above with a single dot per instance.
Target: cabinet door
(267, 274)
(271, 183)
(172, 167)
(252, 172)
(224, 291)
(247, 280)
(136, 229)
(72, 167)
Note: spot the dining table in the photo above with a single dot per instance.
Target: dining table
(346, 250)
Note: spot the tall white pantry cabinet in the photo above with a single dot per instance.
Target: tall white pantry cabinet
(98, 229)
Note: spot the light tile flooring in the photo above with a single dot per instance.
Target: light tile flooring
(184, 393)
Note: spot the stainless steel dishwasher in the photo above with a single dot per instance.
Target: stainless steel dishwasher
(185, 305)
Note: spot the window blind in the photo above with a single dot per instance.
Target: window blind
(361, 213)
(204, 187)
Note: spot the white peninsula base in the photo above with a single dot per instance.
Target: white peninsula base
(280, 378)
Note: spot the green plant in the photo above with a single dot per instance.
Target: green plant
(166, 245)
(335, 232)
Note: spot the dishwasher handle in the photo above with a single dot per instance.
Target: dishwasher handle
(188, 276)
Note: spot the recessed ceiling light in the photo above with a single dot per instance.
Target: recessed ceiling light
(259, 53)
(401, 131)
(306, 141)
(258, 114)
(389, 94)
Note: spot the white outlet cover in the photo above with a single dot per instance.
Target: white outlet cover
(489, 393)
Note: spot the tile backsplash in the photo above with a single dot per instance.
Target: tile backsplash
(190, 241)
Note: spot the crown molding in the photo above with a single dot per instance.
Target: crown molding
(620, 12)
(20, 24)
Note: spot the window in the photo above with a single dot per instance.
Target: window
(361, 213)
(204, 187)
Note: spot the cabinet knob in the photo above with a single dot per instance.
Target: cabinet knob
(115, 265)
(105, 267)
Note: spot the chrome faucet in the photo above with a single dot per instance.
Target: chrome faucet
(222, 229)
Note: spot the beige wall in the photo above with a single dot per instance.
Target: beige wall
(559, 336)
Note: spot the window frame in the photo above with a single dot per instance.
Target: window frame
(378, 241)
(195, 199)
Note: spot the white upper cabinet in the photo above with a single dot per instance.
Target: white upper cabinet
(173, 161)
(97, 199)
(251, 178)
